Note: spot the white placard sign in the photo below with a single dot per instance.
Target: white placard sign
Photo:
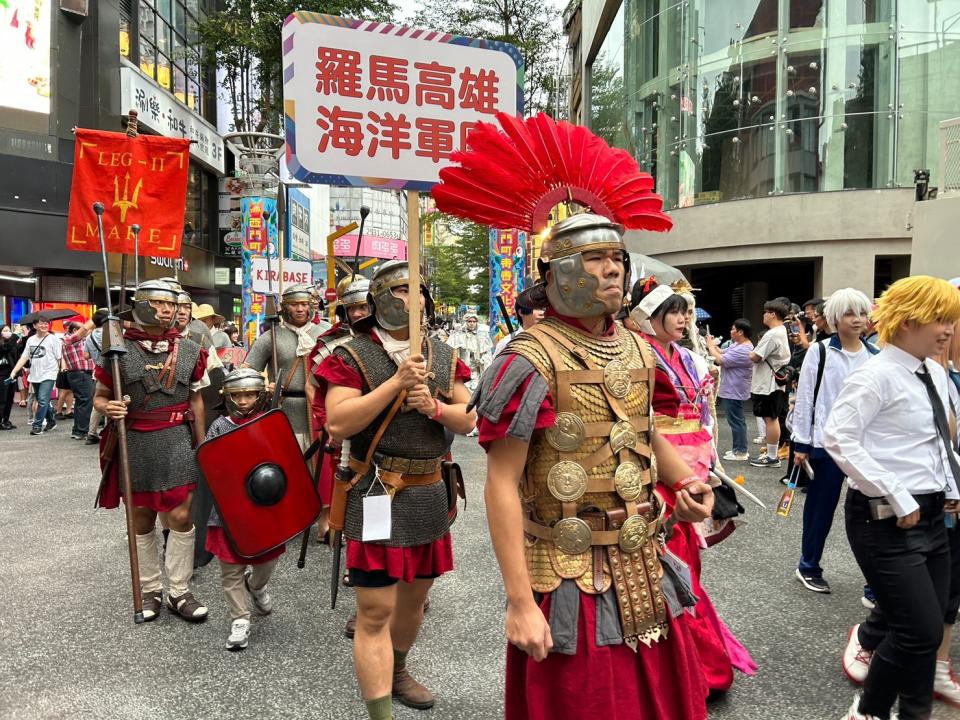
(369, 102)
(294, 273)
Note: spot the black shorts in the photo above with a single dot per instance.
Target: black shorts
(773, 405)
(377, 578)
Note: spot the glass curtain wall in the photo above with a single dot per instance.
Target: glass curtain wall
(750, 98)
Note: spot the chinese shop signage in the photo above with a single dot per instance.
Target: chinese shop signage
(377, 104)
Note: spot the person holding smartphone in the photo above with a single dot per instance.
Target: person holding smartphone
(889, 432)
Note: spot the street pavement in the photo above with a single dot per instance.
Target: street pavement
(69, 647)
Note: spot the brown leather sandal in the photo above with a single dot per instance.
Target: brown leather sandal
(187, 607)
(152, 602)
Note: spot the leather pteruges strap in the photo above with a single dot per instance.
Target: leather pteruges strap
(382, 429)
(293, 371)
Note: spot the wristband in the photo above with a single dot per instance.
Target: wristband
(686, 482)
(436, 416)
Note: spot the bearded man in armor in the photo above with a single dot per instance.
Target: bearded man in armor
(393, 405)
(163, 374)
(296, 337)
(595, 618)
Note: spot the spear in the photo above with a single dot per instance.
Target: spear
(113, 348)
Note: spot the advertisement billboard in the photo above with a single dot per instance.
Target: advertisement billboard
(25, 65)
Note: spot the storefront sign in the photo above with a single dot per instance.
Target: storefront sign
(162, 112)
(367, 100)
(507, 269)
(266, 280)
(371, 246)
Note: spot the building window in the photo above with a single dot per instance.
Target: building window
(200, 204)
(170, 50)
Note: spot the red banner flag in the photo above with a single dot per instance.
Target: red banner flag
(140, 181)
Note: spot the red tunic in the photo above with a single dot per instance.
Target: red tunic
(328, 467)
(163, 500)
(404, 563)
(661, 682)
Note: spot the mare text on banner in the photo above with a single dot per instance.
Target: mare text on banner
(140, 181)
(382, 105)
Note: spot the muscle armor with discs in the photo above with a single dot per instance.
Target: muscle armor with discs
(591, 514)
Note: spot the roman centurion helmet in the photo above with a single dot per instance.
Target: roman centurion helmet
(143, 313)
(515, 177)
(388, 309)
(243, 380)
(352, 290)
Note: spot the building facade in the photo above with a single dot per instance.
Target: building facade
(783, 134)
(86, 65)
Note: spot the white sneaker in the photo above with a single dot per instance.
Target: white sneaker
(239, 635)
(945, 685)
(854, 712)
(739, 457)
(856, 660)
(262, 602)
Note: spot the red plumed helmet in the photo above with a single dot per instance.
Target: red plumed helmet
(513, 178)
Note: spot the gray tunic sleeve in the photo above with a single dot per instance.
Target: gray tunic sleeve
(503, 380)
(260, 353)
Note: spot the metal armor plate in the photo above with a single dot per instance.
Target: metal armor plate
(616, 377)
(633, 534)
(572, 536)
(260, 484)
(568, 433)
(567, 481)
(628, 481)
(622, 436)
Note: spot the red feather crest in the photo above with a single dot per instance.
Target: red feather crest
(513, 178)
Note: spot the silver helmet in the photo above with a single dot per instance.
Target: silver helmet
(172, 282)
(300, 292)
(183, 298)
(244, 380)
(388, 309)
(352, 290)
(572, 290)
(143, 313)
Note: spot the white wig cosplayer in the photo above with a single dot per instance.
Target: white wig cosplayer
(841, 302)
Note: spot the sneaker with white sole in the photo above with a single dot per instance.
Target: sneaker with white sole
(814, 583)
(765, 461)
(945, 684)
(856, 660)
(735, 456)
(262, 602)
(239, 635)
(854, 712)
(869, 600)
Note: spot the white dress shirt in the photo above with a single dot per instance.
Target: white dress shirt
(807, 425)
(882, 434)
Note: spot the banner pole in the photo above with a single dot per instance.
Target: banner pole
(413, 262)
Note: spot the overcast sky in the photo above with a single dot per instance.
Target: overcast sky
(408, 7)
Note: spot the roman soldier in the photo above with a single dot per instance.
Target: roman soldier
(296, 337)
(595, 605)
(393, 404)
(474, 345)
(162, 378)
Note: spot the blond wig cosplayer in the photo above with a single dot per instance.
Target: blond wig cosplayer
(841, 302)
(920, 298)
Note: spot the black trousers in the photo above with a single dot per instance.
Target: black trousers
(909, 571)
(7, 395)
(82, 384)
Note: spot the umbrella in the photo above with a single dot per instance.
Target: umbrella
(50, 315)
(644, 266)
(703, 314)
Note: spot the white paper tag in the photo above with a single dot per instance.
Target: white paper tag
(376, 518)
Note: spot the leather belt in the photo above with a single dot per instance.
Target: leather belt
(616, 518)
(407, 466)
(396, 481)
(175, 417)
(293, 394)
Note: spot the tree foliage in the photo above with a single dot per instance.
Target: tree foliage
(243, 39)
(533, 26)
(459, 271)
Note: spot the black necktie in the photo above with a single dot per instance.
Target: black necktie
(940, 420)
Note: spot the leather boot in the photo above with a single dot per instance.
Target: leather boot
(409, 692)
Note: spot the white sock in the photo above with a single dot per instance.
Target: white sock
(772, 451)
(149, 560)
(761, 427)
(179, 561)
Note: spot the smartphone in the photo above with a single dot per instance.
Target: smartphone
(880, 509)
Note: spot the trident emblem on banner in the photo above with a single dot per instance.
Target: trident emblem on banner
(125, 203)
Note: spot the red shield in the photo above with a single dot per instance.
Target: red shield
(260, 484)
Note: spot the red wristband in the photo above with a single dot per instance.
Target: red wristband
(686, 482)
(439, 413)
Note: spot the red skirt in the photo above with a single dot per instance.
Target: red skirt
(218, 544)
(660, 682)
(403, 563)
